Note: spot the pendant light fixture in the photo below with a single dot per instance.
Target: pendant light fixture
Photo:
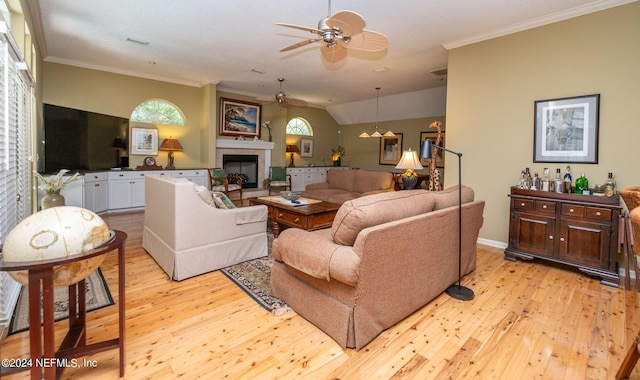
(377, 133)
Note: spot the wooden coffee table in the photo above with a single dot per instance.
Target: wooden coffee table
(312, 216)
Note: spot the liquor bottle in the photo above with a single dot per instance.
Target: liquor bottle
(534, 182)
(567, 180)
(545, 180)
(527, 177)
(609, 186)
(582, 184)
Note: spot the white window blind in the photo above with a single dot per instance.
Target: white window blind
(15, 154)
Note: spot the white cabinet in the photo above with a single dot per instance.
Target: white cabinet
(301, 177)
(126, 189)
(96, 195)
(199, 176)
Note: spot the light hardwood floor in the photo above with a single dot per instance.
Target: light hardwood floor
(527, 321)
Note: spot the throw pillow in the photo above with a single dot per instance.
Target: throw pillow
(218, 202)
(204, 194)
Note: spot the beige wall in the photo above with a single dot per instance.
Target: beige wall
(492, 87)
(118, 95)
(364, 153)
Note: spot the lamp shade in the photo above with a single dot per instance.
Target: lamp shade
(118, 143)
(425, 152)
(409, 160)
(170, 144)
(292, 149)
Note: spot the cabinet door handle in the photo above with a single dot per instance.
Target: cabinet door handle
(561, 239)
(598, 213)
(550, 237)
(522, 204)
(570, 210)
(280, 215)
(544, 206)
(296, 220)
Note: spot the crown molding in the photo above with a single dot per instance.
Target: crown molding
(581, 10)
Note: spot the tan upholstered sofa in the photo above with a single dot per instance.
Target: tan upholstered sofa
(344, 185)
(187, 235)
(385, 256)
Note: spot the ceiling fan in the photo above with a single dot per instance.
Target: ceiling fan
(338, 32)
(283, 100)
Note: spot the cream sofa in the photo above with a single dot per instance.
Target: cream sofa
(344, 185)
(385, 256)
(187, 236)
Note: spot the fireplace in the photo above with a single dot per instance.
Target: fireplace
(244, 165)
(247, 147)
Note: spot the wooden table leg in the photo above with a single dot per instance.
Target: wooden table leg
(121, 304)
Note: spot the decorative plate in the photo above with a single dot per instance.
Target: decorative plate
(149, 161)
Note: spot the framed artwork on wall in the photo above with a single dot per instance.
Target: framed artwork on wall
(306, 148)
(144, 141)
(390, 149)
(566, 130)
(240, 119)
(433, 136)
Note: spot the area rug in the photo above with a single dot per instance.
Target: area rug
(253, 278)
(98, 296)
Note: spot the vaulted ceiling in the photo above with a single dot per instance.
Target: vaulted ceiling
(235, 44)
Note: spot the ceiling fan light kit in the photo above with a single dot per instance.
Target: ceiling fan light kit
(339, 32)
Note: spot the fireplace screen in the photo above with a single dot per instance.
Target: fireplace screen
(243, 165)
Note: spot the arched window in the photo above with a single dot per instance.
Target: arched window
(158, 111)
(299, 126)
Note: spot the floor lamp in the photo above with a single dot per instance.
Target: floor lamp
(456, 291)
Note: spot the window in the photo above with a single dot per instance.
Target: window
(299, 126)
(158, 111)
(16, 99)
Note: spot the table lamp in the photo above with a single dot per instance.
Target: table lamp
(171, 145)
(292, 149)
(410, 162)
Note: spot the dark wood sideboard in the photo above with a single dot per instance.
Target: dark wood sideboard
(573, 229)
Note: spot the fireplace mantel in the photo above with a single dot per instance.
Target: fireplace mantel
(244, 144)
(261, 148)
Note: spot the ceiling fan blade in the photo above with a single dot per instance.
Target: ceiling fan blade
(304, 28)
(367, 40)
(333, 54)
(295, 102)
(350, 22)
(299, 44)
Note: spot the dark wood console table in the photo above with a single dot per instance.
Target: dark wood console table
(43, 357)
(573, 229)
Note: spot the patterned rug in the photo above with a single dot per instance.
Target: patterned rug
(253, 278)
(98, 296)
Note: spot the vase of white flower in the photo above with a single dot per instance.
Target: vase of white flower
(53, 199)
(53, 186)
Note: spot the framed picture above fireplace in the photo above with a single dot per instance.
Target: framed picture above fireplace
(239, 118)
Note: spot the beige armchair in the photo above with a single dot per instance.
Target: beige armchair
(187, 236)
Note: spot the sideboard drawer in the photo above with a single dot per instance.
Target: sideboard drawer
(598, 213)
(573, 210)
(523, 204)
(546, 206)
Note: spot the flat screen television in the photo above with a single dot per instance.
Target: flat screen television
(81, 140)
